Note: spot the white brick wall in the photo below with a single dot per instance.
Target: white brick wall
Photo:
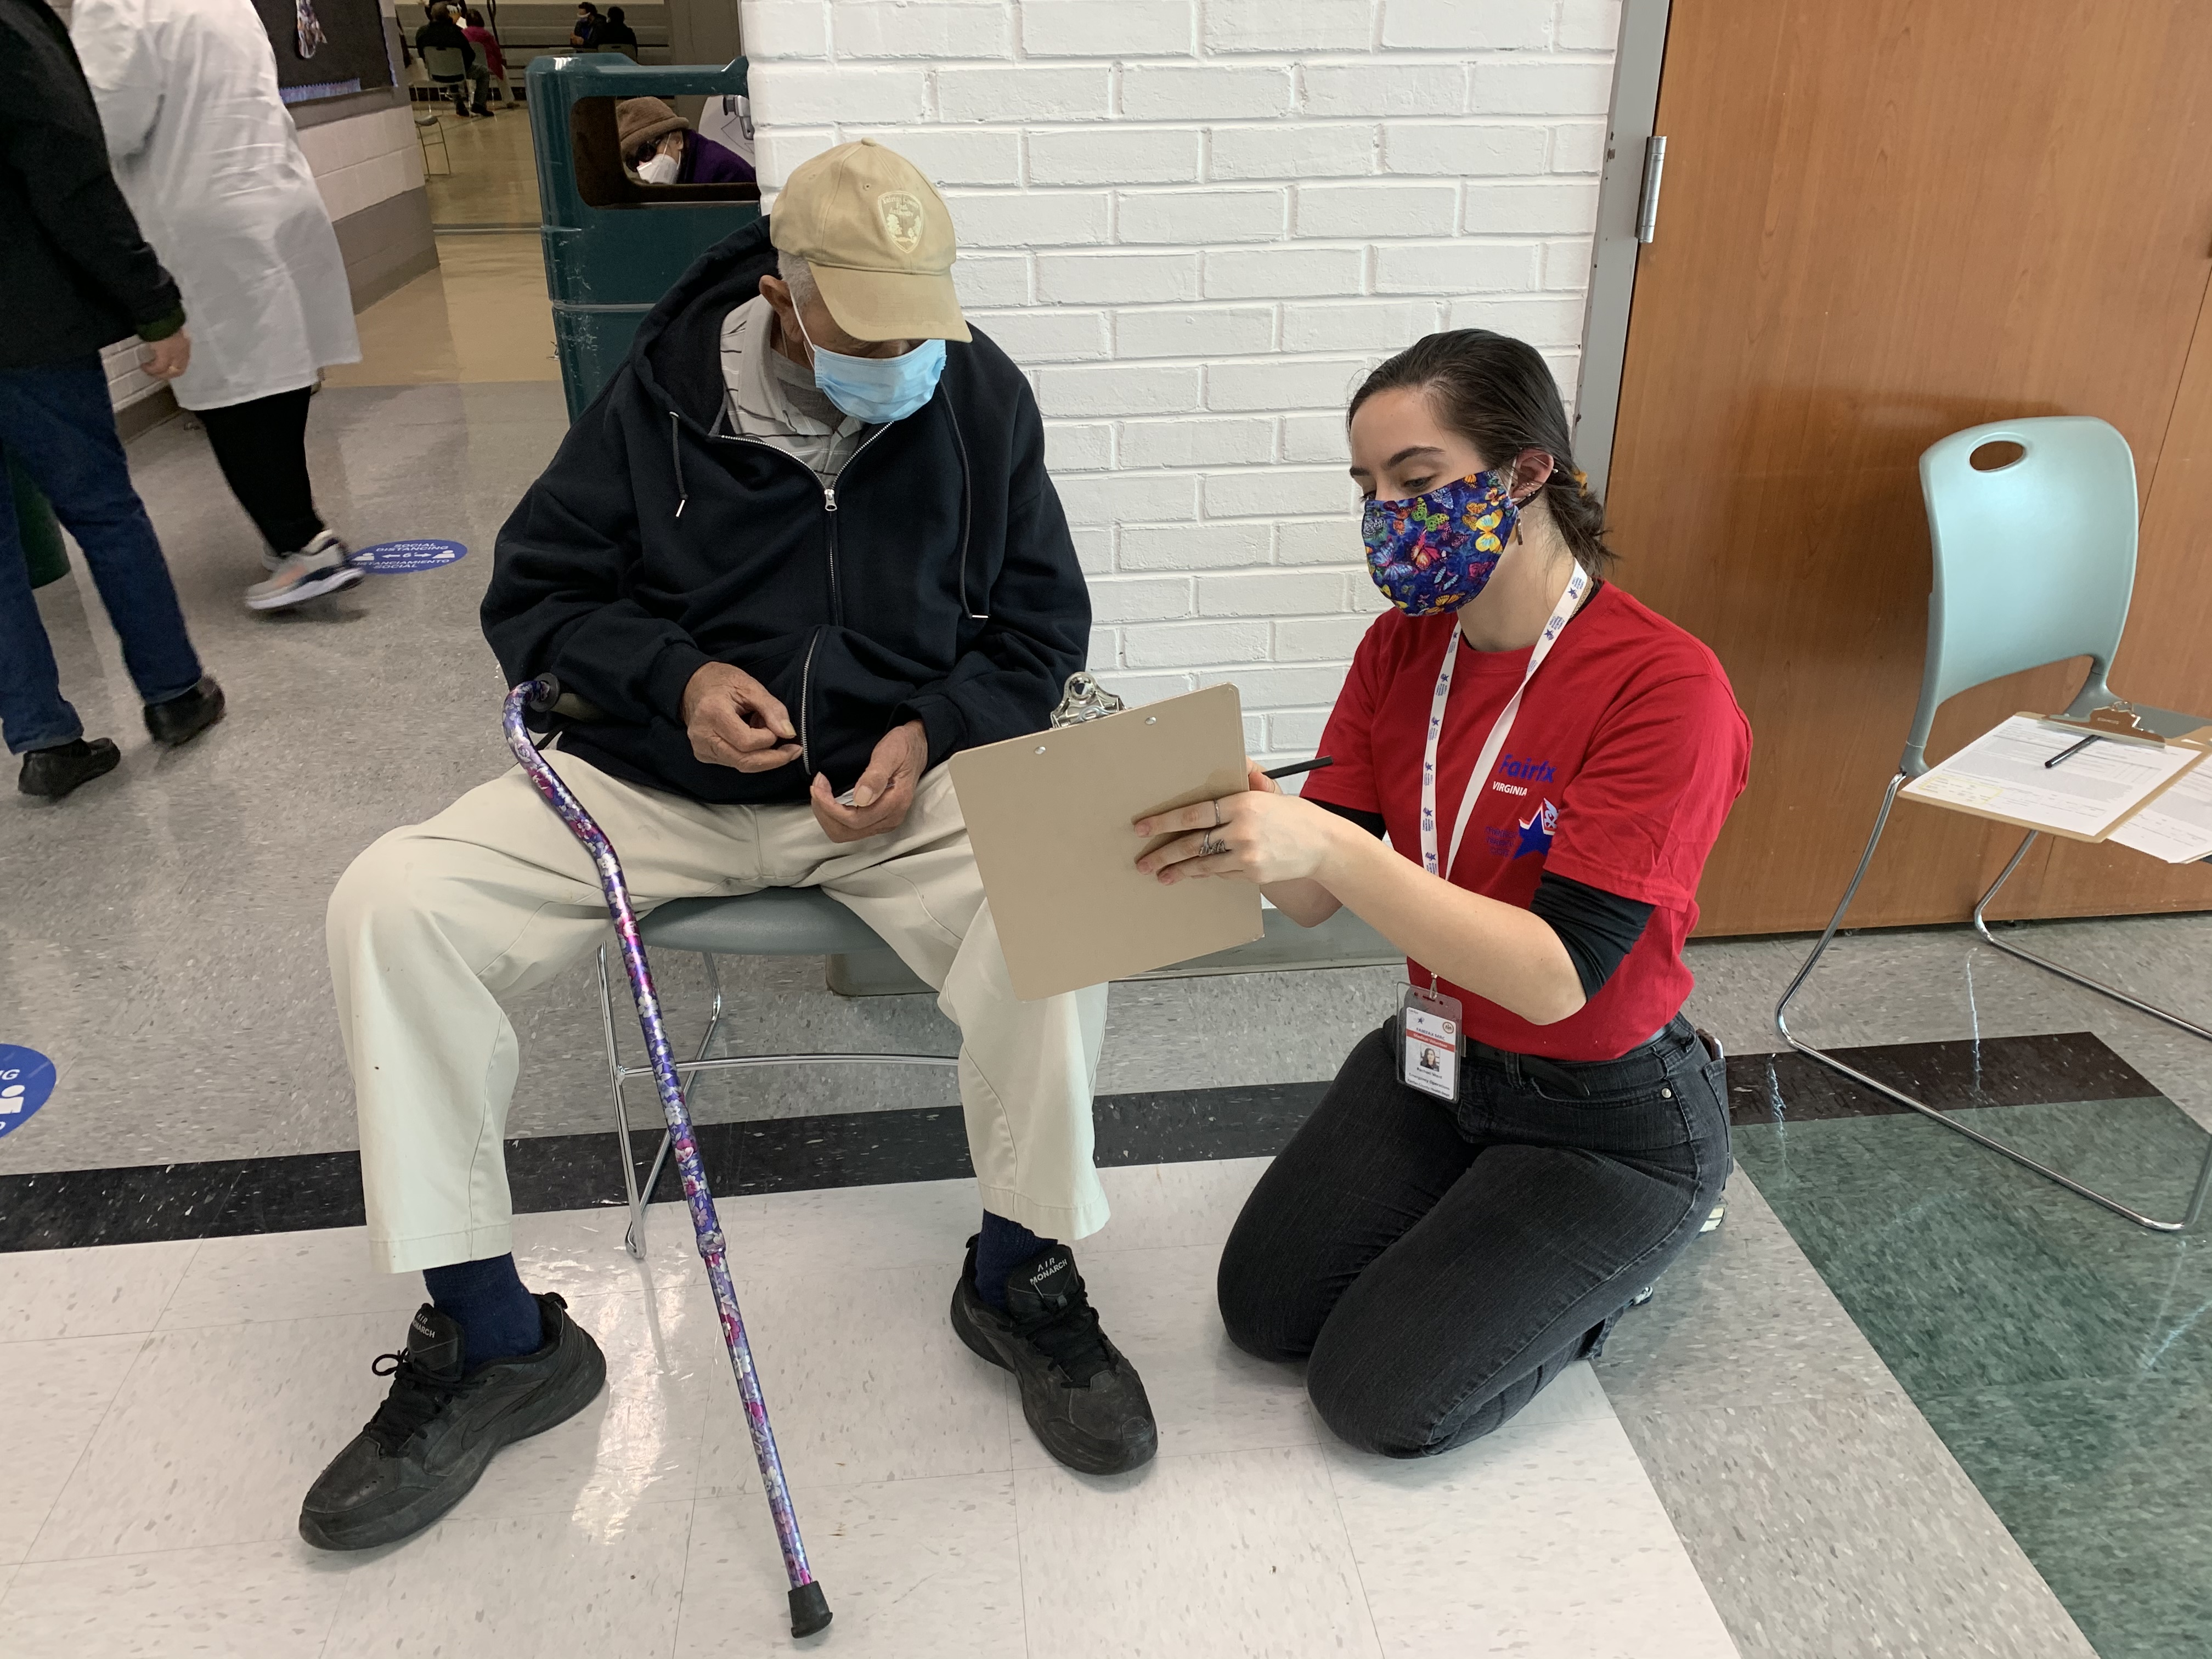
(1197, 223)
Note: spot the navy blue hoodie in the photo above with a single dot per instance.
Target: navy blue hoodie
(936, 582)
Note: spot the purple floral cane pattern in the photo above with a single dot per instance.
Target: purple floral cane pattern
(704, 1222)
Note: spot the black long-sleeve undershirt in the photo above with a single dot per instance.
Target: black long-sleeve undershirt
(1598, 928)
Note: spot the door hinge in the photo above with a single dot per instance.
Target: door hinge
(1647, 205)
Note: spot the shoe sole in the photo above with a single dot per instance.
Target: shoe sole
(314, 588)
(550, 1411)
(980, 1346)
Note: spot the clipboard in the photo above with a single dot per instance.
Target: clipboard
(1048, 816)
(1957, 788)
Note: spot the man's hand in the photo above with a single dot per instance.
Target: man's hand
(169, 358)
(732, 720)
(884, 794)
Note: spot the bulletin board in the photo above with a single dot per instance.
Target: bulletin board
(347, 41)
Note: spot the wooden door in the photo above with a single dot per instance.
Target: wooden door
(1882, 222)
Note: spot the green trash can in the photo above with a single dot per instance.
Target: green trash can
(40, 531)
(614, 245)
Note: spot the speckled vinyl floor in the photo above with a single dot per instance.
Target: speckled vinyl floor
(2061, 1353)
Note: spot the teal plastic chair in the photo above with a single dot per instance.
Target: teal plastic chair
(2034, 563)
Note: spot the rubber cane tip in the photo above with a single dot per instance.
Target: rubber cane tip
(809, 1609)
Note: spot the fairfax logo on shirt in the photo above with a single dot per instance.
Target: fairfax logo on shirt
(1531, 834)
(1530, 770)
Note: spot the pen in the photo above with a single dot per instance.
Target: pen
(1302, 766)
(2063, 753)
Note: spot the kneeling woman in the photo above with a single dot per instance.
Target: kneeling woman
(1500, 1169)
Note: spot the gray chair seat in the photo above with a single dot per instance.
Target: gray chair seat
(776, 922)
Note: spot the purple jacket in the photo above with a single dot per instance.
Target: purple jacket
(706, 163)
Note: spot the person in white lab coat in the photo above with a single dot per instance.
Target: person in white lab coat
(207, 157)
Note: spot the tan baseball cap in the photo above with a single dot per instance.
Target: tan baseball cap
(878, 240)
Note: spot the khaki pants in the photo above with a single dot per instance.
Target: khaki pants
(434, 922)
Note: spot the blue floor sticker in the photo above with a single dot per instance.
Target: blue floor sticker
(26, 1078)
(389, 558)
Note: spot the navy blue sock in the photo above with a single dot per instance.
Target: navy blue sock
(1001, 1248)
(499, 1319)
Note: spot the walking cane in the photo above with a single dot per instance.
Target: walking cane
(809, 1610)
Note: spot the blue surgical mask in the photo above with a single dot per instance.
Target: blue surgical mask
(877, 390)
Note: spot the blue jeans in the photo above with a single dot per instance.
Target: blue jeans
(59, 426)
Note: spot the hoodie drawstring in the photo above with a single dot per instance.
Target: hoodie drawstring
(676, 455)
(961, 443)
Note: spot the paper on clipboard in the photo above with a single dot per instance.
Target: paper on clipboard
(2177, 826)
(2000, 775)
(1048, 815)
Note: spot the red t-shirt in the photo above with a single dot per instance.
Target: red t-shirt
(1620, 767)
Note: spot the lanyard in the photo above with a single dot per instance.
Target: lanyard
(1577, 585)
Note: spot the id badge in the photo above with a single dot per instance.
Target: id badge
(1429, 1023)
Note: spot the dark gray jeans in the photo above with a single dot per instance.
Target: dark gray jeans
(1437, 1265)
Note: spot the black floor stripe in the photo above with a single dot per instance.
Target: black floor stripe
(230, 1196)
(222, 1198)
(2016, 1070)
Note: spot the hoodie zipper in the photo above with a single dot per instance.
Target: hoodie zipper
(829, 509)
(829, 516)
(829, 500)
(806, 697)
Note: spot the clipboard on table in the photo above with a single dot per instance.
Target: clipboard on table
(2002, 774)
(1048, 816)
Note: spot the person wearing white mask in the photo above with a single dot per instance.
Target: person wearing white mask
(210, 161)
(664, 149)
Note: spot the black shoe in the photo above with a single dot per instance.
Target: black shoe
(1084, 1401)
(437, 1429)
(181, 720)
(54, 772)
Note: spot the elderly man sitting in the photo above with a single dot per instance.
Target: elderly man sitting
(801, 552)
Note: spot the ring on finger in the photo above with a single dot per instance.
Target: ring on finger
(1216, 814)
(1208, 847)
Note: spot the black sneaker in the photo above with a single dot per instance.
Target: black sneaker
(437, 1429)
(54, 772)
(1084, 1401)
(181, 720)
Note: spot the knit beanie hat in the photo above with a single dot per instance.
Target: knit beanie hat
(643, 120)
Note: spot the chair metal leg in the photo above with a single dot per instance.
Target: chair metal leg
(639, 1197)
(1782, 1025)
(636, 1239)
(1982, 927)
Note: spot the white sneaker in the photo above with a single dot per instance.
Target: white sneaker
(324, 566)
